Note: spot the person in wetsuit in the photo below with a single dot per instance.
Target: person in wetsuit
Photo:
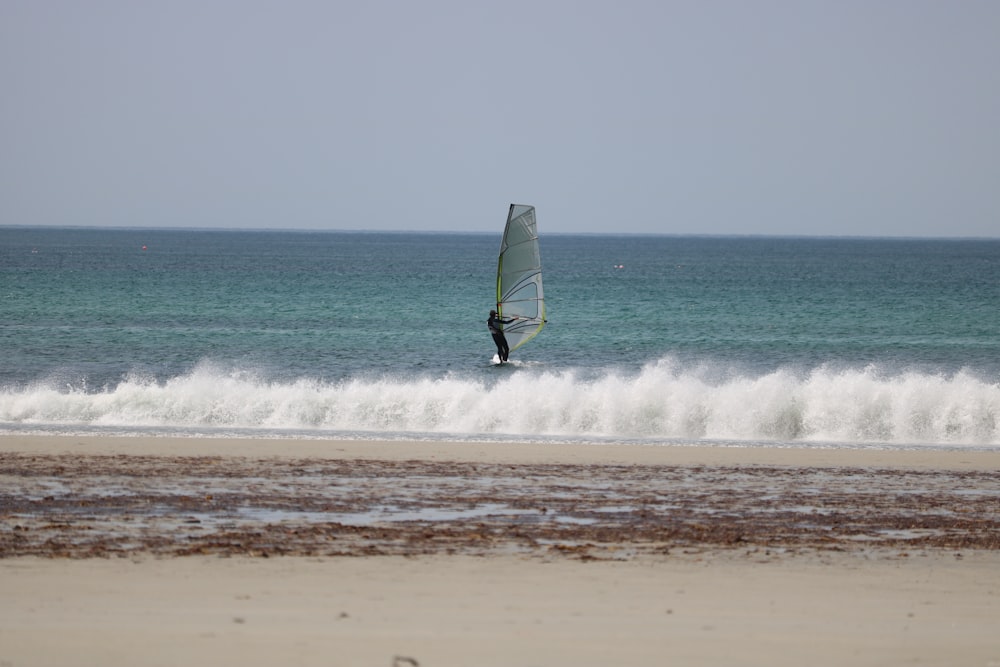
(495, 323)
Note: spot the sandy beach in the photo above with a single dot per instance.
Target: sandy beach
(163, 551)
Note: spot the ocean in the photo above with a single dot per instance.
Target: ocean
(740, 341)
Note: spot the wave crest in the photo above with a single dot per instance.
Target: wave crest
(663, 401)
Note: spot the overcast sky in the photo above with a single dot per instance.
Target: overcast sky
(866, 117)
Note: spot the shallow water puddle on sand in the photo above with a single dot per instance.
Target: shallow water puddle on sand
(380, 514)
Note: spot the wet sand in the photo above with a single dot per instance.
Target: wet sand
(163, 550)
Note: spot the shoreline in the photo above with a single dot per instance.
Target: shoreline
(94, 497)
(950, 458)
(151, 551)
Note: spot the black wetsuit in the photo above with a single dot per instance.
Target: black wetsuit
(494, 323)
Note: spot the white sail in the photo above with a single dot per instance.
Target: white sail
(519, 277)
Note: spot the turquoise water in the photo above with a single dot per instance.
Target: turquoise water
(857, 342)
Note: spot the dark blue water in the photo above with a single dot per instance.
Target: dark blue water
(649, 338)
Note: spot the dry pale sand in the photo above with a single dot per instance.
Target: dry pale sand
(501, 611)
(139, 551)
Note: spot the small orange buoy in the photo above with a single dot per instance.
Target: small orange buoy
(143, 247)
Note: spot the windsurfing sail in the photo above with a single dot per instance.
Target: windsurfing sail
(519, 277)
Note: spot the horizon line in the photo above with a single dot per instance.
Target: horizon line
(306, 230)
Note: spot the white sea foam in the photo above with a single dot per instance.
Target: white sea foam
(663, 401)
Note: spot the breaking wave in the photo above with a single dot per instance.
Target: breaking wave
(663, 401)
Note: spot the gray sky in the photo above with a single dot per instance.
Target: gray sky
(846, 117)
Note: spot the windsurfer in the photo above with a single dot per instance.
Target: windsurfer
(495, 323)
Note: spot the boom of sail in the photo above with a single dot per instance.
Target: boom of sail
(519, 277)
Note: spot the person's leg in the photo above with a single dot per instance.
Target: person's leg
(500, 343)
